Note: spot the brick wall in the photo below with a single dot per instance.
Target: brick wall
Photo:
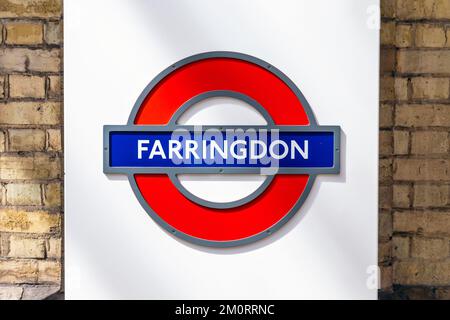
(415, 149)
(30, 148)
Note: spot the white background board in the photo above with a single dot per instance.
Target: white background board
(113, 48)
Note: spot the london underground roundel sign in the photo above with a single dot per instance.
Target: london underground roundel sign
(152, 149)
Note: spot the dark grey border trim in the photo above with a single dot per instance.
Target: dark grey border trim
(313, 124)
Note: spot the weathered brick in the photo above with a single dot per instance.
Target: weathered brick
(387, 89)
(385, 226)
(431, 36)
(419, 61)
(427, 223)
(30, 8)
(387, 60)
(2, 87)
(422, 169)
(385, 143)
(401, 196)
(26, 33)
(404, 35)
(400, 247)
(10, 293)
(413, 9)
(384, 251)
(430, 88)
(13, 220)
(54, 88)
(18, 271)
(443, 293)
(417, 115)
(401, 142)
(12, 60)
(54, 140)
(431, 195)
(385, 197)
(387, 8)
(39, 292)
(47, 113)
(25, 247)
(49, 271)
(26, 139)
(54, 248)
(422, 272)
(45, 60)
(26, 86)
(427, 248)
(23, 194)
(386, 116)
(401, 89)
(430, 142)
(23, 59)
(53, 32)
(385, 170)
(387, 34)
(37, 166)
(52, 195)
(441, 9)
(386, 278)
(2, 141)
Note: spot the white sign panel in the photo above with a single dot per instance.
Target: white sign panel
(119, 245)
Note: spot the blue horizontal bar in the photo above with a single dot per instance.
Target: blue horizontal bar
(295, 150)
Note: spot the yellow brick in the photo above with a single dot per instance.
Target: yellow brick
(431, 195)
(401, 89)
(387, 33)
(20, 194)
(26, 86)
(430, 88)
(422, 272)
(26, 140)
(420, 61)
(54, 140)
(24, 33)
(40, 60)
(386, 117)
(431, 36)
(49, 271)
(385, 143)
(53, 32)
(404, 35)
(30, 8)
(430, 142)
(24, 247)
(2, 141)
(422, 170)
(400, 247)
(54, 248)
(430, 248)
(401, 142)
(418, 115)
(18, 271)
(37, 166)
(52, 195)
(45, 113)
(54, 90)
(427, 223)
(414, 9)
(401, 196)
(13, 220)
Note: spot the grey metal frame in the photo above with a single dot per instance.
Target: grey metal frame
(172, 172)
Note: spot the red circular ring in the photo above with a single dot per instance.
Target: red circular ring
(209, 224)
